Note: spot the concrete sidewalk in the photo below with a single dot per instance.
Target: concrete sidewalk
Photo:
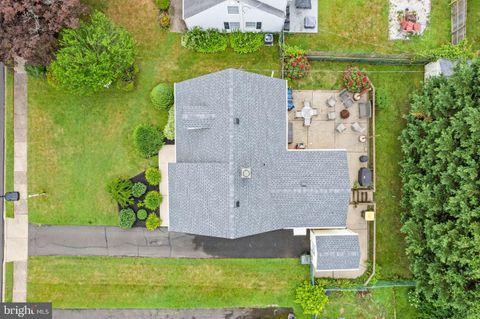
(139, 242)
(16, 230)
(234, 313)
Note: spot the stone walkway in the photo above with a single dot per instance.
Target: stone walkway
(176, 13)
(17, 228)
(139, 242)
(235, 313)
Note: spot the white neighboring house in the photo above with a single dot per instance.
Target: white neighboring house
(231, 15)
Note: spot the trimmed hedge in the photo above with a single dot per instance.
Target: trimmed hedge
(204, 41)
(148, 140)
(138, 189)
(142, 214)
(162, 96)
(153, 200)
(246, 42)
(169, 129)
(121, 191)
(153, 176)
(153, 222)
(127, 218)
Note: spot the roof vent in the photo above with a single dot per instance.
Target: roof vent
(236, 120)
(246, 172)
(303, 183)
(237, 203)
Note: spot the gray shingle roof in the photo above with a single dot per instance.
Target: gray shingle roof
(194, 7)
(287, 188)
(337, 252)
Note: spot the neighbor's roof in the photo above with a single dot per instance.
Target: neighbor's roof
(287, 188)
(194, 7)
(446, 67)
(337, 252)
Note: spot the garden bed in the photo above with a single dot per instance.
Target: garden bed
(140, 178)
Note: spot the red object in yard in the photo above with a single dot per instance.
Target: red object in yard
(409, 26)
(403, 24)
(417, 27)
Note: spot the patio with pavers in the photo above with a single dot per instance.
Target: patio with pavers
(321, 132)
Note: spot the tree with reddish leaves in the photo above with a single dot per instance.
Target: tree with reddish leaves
(30, 28)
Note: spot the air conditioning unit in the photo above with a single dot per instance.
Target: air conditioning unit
(246, 172)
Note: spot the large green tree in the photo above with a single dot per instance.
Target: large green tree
(441, 194)
(93, 56)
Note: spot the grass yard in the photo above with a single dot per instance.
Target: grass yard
(8, 281)
(473, 23)
(9, 141)
(398, 82)
(77, 144)
(110, 282)
(362, 26)
(379, 303)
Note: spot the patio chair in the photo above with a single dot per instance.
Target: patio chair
(314, 112)
(303, 4)
(341, 128)
(346, 98)
(298, 114)
(331, 101)
(365, 110)
(358, 128)
(309, 22)
(331, 116)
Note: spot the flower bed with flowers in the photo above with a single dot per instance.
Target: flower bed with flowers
(296, 64)
(355, 80)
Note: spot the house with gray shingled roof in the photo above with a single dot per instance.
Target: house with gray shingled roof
(233, 175)
(243, 15)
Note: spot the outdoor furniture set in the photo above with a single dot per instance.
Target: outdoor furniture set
(348, 100)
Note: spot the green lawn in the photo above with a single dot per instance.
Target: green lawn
(111, 282)
(76, 144)
(362, 26)
(473, 23)
(9, 141)
(398, 82)
(8, 281)
(379, 303)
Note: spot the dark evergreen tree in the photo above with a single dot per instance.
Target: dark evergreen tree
(441, 194)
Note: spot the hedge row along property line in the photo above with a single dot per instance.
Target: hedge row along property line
(371, 58)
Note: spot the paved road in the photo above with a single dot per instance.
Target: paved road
(2, 167)
(139, 242)
(237, 313)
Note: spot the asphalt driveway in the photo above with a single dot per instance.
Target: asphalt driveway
(139, 242)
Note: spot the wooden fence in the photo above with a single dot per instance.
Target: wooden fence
(459, 20)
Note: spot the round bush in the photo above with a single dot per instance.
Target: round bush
(162, 96)
(142, 214)
(138, 189)
(153, 222)
(164, 19)
(153, 200)
(127, 218)
(147, 139)
(163, 4)
(153, 176)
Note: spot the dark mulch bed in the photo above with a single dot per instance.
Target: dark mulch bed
(169, 142)
(140, 178)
